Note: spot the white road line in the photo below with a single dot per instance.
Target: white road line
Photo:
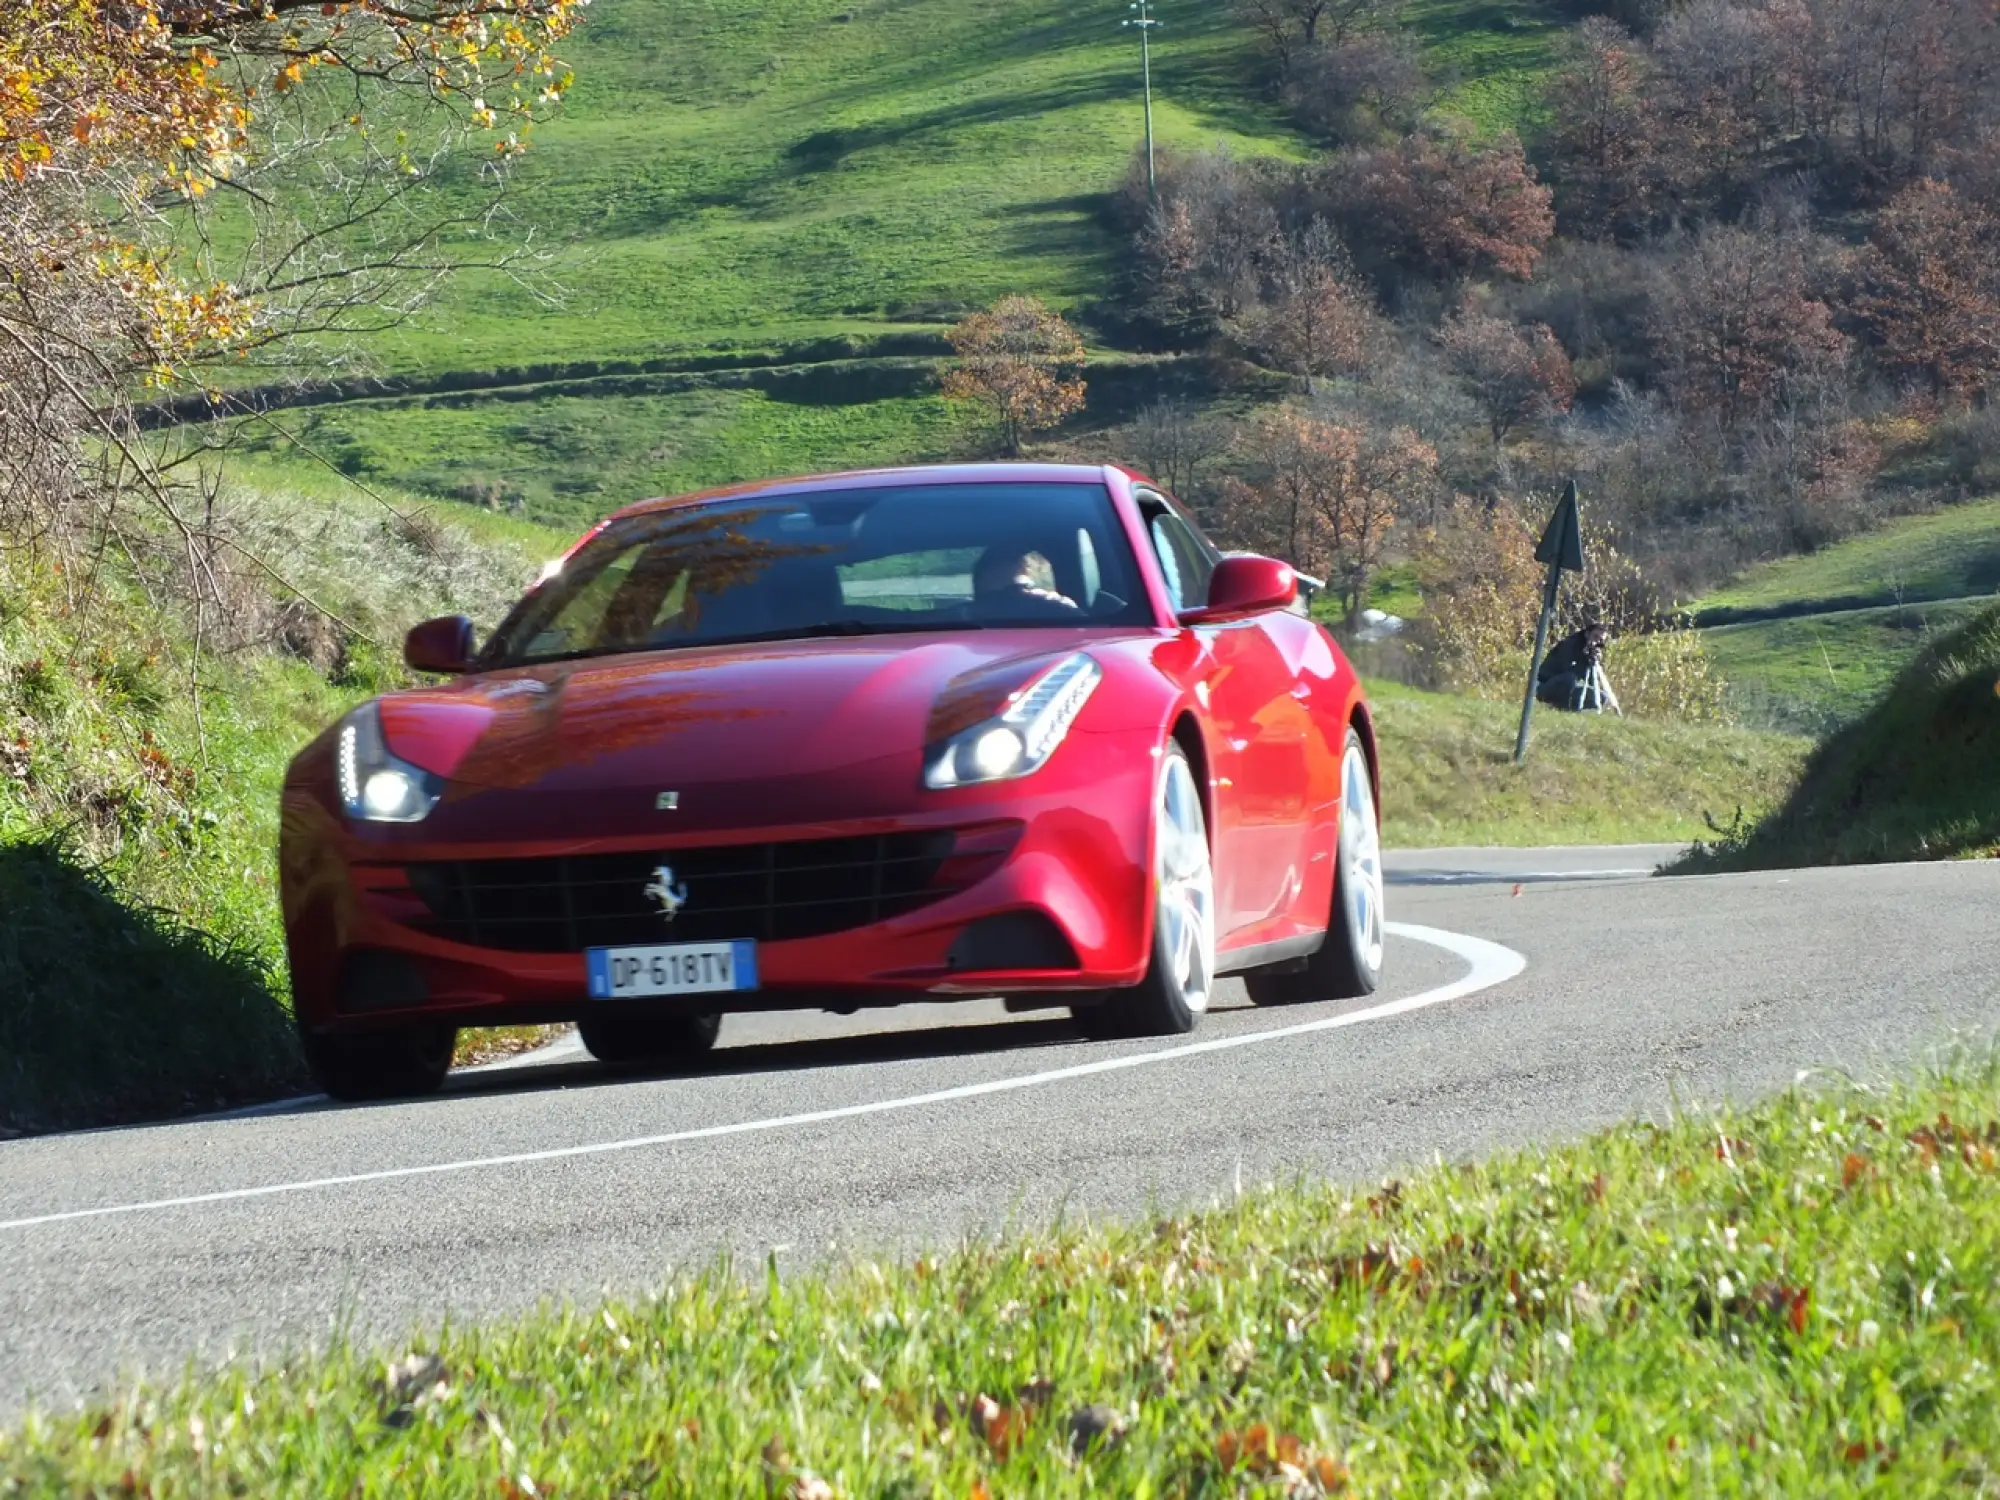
(1501, 877)
(1491, 964)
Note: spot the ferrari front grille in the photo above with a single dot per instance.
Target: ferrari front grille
(771, 892)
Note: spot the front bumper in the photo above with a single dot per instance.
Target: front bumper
(1071, 894)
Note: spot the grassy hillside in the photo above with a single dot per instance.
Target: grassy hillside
(1815, 672)
(747, 173)
(1810, 643)
(141, 958)
(742, 180)
(1951, 554)
(1788, 1300)
(1912, 779)
(1491, 55)
(739, 177)
(1449, 776)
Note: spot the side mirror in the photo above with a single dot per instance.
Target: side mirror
(1245, 585)
(441, 645)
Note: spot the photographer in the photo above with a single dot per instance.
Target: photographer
(1569, 676)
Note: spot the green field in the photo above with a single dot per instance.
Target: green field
(1492, 56)
(1949, 554)
(1449, 777)
(1910, 778)
(734, 180)
(1816, 671)
(1809, 643)
(1790, 1300)
(735, 177)
(741, 172)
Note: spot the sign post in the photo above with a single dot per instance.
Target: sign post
(1561, 548)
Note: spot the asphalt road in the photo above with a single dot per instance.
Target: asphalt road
(1532, 995)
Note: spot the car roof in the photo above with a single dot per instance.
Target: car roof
(983, 473)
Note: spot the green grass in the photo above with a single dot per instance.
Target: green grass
(1492, 55)
(739, 178)
(1813, 673)
(743, 172)
(566, 461)
(1950, 554)
(1810, 643)
(139, 816)
(1449, 778)
(1913, 778)
(1794, 1299)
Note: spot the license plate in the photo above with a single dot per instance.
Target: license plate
(672, 969)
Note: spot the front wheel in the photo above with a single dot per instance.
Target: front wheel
(1182, 971)
(1349, 963)
(402, 1063)
(650, 1041)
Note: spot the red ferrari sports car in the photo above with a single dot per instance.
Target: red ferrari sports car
(1007, 729)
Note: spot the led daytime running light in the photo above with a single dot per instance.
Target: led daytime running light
(374, 785)
(1036, 718)
(1050, 705)
(350, 764)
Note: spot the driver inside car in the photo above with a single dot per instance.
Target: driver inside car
(1007, 579)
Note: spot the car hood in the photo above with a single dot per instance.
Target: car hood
(666, 721)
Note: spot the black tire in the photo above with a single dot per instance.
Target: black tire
(1342, 968)
(1159, 1004)
(404, 1063)
(644, 1041)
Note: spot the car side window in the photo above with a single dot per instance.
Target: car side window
(1184, 562)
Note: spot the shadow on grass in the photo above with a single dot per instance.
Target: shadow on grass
(110, 1013)
(1911, 779)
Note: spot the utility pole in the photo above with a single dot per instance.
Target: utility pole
(1145, 23)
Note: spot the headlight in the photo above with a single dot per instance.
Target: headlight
(1024, 734)
(375, 786)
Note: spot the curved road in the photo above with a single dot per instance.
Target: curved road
(1533, 995)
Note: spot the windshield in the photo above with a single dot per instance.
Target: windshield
(839, 562)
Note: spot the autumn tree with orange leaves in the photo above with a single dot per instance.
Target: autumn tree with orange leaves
(1440, 205)
(1319, 319)
(1022, 363)
(1513, 374)
(1933, 289)
(123, 121)
(1328, 495)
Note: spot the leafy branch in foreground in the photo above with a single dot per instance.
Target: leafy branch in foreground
(187, 182)
(1793, 1299)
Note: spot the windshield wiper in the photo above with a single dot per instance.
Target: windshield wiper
(830, 628)
(820, 630)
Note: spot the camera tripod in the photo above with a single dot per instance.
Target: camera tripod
(1592, 693)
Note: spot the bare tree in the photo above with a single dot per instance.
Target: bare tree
(1735, 319)
(1319, 320)
(1367, 90)
(1174, 440)
(1514, 374)
(1603, 135)
(1326, 495)
(322, 129)
(1438, 205)
(1205, 249)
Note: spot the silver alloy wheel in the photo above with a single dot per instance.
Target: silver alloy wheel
(1186, 885)
(1361, 859)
